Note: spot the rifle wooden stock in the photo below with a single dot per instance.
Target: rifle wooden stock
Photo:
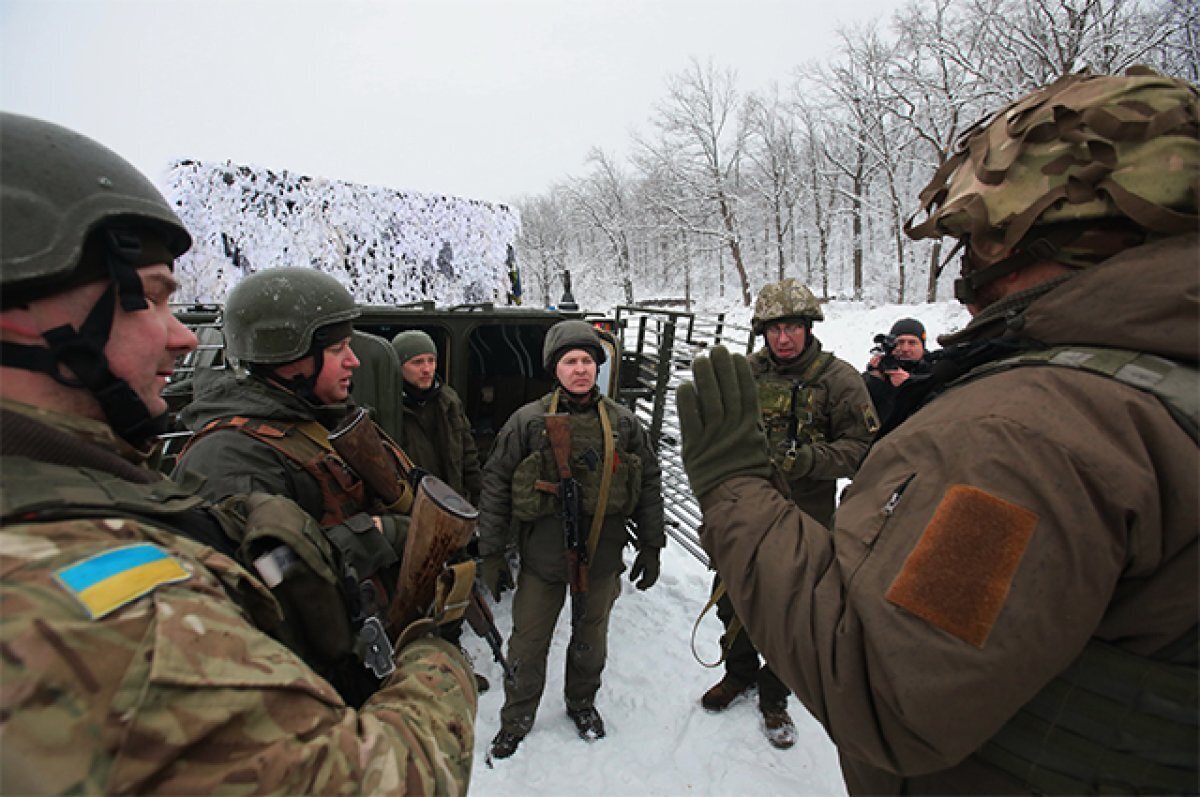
(442, 524)
(558, 430)
(357, 441)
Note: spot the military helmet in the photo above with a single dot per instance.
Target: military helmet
(276, 316)
(1084, 148)
(57, 187)
(787, 298)
(572, 334)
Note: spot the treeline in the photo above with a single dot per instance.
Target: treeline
(815, 176)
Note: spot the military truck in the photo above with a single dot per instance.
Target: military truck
(491, 355)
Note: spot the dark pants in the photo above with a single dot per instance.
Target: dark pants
(741, 661)
(537, 605)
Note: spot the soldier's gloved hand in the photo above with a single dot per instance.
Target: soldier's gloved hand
(495, 574)
(720, 423)
(647, 565)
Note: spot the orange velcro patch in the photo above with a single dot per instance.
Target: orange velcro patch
(959, 574)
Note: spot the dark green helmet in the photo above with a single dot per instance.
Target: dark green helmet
(271, 317)
(785, 299)
(572, 334)
(57, 187)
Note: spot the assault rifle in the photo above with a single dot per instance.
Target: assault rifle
(558, 429)
(441, 525)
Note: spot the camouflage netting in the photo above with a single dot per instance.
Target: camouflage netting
(386, 246)
(1085, 147)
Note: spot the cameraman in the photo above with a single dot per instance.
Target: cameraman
(895, 358)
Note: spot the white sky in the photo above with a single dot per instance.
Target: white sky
(487, 99)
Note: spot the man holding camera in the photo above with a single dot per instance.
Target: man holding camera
(896, 357)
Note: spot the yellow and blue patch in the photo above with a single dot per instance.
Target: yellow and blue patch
(107, 581)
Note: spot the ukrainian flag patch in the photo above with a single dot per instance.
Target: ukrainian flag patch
(107, 581)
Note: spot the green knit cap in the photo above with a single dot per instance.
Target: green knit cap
(412, 342)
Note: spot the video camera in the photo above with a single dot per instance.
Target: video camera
(885, 346)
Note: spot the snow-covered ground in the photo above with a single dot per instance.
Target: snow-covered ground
(660, 741)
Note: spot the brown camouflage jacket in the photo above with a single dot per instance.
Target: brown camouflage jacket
(127, 668)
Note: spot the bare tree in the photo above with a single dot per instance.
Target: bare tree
(774, 151)
(696, 156)
(543, 241)
(602, 200)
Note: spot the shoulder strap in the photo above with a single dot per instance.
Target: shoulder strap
(1176, 385)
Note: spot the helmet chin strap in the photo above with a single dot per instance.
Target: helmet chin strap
(81, 351)
(303, 386)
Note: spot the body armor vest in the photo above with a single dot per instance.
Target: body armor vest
(587, 455)
(787, 405)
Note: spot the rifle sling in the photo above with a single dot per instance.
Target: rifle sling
(735, 628)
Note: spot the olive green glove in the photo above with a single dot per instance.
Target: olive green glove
(495, 574)
(720, 422)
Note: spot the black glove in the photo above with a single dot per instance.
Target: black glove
(720, 423)
(646, 565)
(495, 574)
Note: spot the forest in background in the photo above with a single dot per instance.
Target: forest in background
(727, 189)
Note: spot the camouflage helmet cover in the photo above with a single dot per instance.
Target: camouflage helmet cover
(271, 316)
(56, 188)
(572, 334)
(1085, 147)
(788, 298)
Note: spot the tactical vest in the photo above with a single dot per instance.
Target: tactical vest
(587, 454)
(343, 493)
(1114, 721)
(788, 411)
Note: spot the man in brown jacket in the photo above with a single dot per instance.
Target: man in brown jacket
(819, 420)
(1008, 600)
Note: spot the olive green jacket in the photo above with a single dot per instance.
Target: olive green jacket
(986, 540)
(842, 420)
(540, 541)
(437, 437)
(176, 689)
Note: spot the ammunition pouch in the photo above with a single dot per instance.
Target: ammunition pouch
(587, 444)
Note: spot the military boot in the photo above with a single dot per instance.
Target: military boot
(724, 693)
(588, 723)
(778, 726)
(505, 744)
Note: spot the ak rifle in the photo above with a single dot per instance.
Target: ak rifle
(570, 495)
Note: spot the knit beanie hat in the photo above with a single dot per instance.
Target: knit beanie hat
(908, 326)
(411, 342)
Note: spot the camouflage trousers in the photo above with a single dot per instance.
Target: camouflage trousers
(537, 605)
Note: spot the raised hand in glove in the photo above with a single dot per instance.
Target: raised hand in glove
(720, 423)
(647, 566)
(496, 575)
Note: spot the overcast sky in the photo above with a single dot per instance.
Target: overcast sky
(487, 99)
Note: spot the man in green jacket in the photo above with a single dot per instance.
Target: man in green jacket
(819, 422)
(436, 432)
(139, 657)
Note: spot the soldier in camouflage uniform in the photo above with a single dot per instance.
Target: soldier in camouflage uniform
(136, 659)
(263, 426)
(819, 422)
(605, 436)
(1007, 603)
(437, 434)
